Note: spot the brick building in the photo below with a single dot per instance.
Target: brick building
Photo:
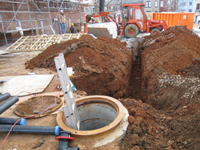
(37, 17)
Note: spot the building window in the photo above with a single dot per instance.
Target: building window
(105, 8)
(138, 14)
(156, 4)
(161, 4)
(93, 11)
(148, 4)
(112, 8)
(198, 6)
(118, 8)
(190, 2)
(190, 10)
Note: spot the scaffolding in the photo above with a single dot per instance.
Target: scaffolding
(44, 9)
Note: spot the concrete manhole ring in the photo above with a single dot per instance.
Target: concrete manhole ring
(88, 106)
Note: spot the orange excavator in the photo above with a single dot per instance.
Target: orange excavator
(136, 21)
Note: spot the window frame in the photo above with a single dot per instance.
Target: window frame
(131, 13)
(149, 4)
(161, 3)
(156, 4)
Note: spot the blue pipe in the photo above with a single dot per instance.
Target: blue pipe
(8, 104)
(43, 130)
(12, 121)
(4, 96)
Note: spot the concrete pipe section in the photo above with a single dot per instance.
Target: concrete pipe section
(104, 120)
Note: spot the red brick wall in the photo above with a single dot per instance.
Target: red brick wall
(25, 16)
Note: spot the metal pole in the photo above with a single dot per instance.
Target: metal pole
(49, 13)
(3, 30)
(122, 9)
(14, 15)
(80, 19)
(11, 2)
(30, 18)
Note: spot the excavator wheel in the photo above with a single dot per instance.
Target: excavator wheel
(155, 31)
(131, 31)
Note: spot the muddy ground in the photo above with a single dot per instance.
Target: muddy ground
(161, 90)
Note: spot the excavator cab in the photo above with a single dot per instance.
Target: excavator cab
(137, 21)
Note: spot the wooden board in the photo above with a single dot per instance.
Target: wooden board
(39, 42)
(24, 85)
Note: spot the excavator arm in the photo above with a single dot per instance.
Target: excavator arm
(100, 14)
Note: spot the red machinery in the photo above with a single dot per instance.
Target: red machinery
(136, 21)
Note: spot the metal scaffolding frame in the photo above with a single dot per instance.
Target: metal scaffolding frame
(49, 5)
(14, 18)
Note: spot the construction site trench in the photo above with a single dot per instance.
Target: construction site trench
(156, 78)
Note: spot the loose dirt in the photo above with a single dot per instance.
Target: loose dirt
(102, 66)
(170, 68)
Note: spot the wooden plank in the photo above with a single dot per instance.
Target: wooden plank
(27, 83)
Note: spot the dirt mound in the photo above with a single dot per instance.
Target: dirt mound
(152, 129)
(170, 68)
(101, 66)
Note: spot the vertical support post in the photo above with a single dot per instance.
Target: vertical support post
(80, 20)
(49, 13)
(122, 13)
(30, 17)
(14, 13)
(3, 30)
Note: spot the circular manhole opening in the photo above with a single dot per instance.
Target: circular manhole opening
(98, 114)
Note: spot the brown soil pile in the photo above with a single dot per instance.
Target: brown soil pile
(161, 130)
(102, 66)
(170, 68)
